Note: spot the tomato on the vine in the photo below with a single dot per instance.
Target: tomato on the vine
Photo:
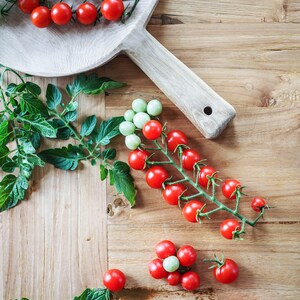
(61, 13)
(228, 227)
(152, 130)
(229, 187)
(174, 278)
(190, 281)
(176, 138)
(187, 255)
(112, 10)
(156, 269)
(165, 249)
(171, 193)
(86, 13)
(258, 204)
(114, 280)
(156, 176)
(189, 158)
(27, 6)
(227, 272)
(137, 159)
(41, 17)
(191, 209)
(204, 172)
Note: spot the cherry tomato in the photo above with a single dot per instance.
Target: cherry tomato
(258, 204)
(229, 188)
(112, 10)
(152, 130)
(86, 13)
(189, 158)
(114, 280)
(165, 249)
(27, 6)
(190, 281)
(227, 273)
(156, 269)
(187, 255)
(176, 138)
(172, 193)
(61, 13)
(41, 17)
(174, 278)
(137, 159)
(204, 172)
(156, 176)
(228, 227)
(190, 210)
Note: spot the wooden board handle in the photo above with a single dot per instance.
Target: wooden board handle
(209, 112)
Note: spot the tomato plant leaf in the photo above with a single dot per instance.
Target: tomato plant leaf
(65, 158)
(33, 88)
(103, 172)
(4, 132)
(32, 104)
(53, 96)
(109, 154)
(4, 151)
(88, 125)
(95, 294)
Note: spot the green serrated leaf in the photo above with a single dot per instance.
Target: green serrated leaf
(4, 132)
(111, 177)
(4, 151)
(32, 104)
(109, 154)
(71, 106)
(124, 181)
(35, 160)
(10, 89)
(103, 172)
(35, 140)
(95, 294)
(88, 125)
(9, 166)
(53, 96)
(63, 132)
(70, 116)
(108, 129)
(27, 147)
(65, 158)
(33, 88)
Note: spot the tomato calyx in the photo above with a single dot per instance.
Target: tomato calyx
(202, 214)
(219, 262)
(238, 191)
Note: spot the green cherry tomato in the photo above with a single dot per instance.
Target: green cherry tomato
(127, 128)
(140, 119)
(139, 105)
(132, 141)
(128, 115)
(154, 108)
(171, 264)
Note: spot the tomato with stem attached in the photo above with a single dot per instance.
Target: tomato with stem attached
(114, 280)
(229, 227)
(86, 13)
(152, 130)
(112, 10)
(156, 269)
(191, 209)
(176, 138)
(204, 172)
(227, 272)
(156, 176)
(41, 17)
(190, 281)
(189, 158)
(172, 193)
(229, 188)
(165, 249)
(61, 13)
(27, 6)
(258, 204)
(187, 255)
(137, 159)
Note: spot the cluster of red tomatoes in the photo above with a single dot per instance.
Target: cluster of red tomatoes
(157, 177)
(174, 265)
(61, 13)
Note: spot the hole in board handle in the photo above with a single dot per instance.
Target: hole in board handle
(207, 110)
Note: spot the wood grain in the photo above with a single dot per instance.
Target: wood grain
(47, 252)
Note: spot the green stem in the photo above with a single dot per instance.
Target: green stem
(177, 181)
(71, 101)
(155, 163)
(187, 198)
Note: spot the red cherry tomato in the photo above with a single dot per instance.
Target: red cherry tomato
(228, 227)
(229, 188)
(152, 130)
(61, 13)
(258, 204)
(176, 138)
(114, 280)
(137, 159)
(156, 176)
(189, 158)
(204, 172)
(27, 6)
(112, 10)
(156, 269)
(190, 281)
(165, 249)
(190, 210)
(187, 255)
(227, 273)
(41, 17)
(86, 13)
(172, 193)
(174, 278)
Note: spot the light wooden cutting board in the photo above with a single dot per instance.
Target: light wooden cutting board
(61, 241)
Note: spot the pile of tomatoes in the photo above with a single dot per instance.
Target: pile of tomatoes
(174, 265)
(61, 13)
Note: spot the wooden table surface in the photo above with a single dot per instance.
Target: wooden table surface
(61, 240)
